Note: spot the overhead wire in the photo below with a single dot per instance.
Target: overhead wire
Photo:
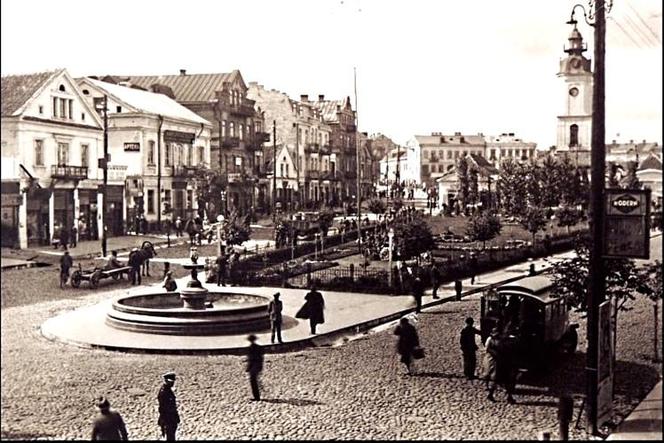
(645, 24)
(638, 31)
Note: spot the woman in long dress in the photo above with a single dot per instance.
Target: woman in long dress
(408, 341)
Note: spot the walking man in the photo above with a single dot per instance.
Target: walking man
(418, 292)
(108, 425)
(408, 341)
(221, 268)
(178, 227)
(66, 262)
(254, 365)
(435, 278)
(74, 235)
(469, 348)
(314, 305)
(168, 410)
(275, 308)
(135, 263)
(458, 287)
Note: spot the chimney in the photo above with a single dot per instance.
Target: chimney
(304, 98)
(614, 142)
(644, 142)
(631, 142)
(321, 97)
(183, 72)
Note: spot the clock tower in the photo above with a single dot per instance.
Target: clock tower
(574, 121)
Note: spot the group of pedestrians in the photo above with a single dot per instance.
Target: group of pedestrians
(225, 268)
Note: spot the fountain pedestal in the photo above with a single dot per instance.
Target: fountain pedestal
(194, 295)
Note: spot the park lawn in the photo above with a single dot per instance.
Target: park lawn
(508, 232)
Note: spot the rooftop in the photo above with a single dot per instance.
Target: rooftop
(16, 90)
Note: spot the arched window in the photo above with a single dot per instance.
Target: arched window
(232, 128)
(223, 128)
(62, 88)
(574, 135)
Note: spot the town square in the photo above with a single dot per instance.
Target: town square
(299, 223)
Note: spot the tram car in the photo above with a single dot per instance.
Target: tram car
(525, 314)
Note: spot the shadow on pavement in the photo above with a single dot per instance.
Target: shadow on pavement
(437, 375)
(292, 401)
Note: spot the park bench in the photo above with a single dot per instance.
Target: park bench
(93, 276)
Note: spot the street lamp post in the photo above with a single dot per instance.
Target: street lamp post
(104, 164)
(220, 219)
(390, 237)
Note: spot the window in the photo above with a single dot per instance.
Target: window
(39, 152)
(84, 155)
(167, 196)
(151, 152)
(83, 116)
(493, 154)
(282, 170)
(63, 108)
(71, 109)
(63, 154)
(425, 169)
(167, 154)
(41, 110)
(201, 154)
(232, 128)
(150, 201)
(118, 109)
(574, 135)
(62, 88)
(190, 153)
(223, 128)
(241, 131)
(190, 198)
(55, 106)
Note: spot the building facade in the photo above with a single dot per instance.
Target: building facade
(51, 140)
(237, 134)
(155, 145)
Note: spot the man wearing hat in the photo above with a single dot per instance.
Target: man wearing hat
(469, 348)
(168, 411)
(108, 425)
(274, 308)
(254, 365)
(135, 263)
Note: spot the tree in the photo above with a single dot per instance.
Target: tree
(533, 182)
(209, 183)
(473, 187)
(377, 206)
(652, 276)
(550, 176)
(533, 220)
(483, 226)
(623, 280)
(412, 238)
(236, 229)
(568, 216)
(462, 175)
(511, 189)
(631, 180)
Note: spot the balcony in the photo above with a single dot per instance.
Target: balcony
(69, 172)
(308, 175)
(351, 128)
(311, 147)
(231, 142)
(262, 137)
(329, 175)
(245, 109)
(326, 149)
(184, 171)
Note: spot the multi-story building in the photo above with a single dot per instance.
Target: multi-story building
(340, 116)
(367, 162)
(51, 140)
(238, 133)
(301, 129)
(155, 145)
(436, 154)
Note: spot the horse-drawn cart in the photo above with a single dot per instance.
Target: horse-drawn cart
(93, 276)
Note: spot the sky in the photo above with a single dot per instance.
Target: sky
(421, 66)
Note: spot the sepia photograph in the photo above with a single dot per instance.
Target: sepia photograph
(331, 220)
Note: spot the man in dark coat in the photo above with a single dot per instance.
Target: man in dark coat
(408, 341)
(221, 262)
(168, 410)
(254, 365)
(66, 262)
(469, 348)
(315, 306)
(108, 425)
(275, 308)
(135, 263)
(458, 287)
(435, 279)
(64, 237)
(418, 292)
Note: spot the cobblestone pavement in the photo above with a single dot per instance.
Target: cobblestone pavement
(355, 391)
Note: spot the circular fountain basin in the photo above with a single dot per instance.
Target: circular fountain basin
(165, 313)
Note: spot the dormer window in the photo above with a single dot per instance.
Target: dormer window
(61, 88)
(118, 109)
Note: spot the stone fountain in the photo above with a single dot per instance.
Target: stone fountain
(194, 310)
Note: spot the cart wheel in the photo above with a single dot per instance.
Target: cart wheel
(94, 279)
(76, 279)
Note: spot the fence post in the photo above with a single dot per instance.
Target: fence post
(352, 272)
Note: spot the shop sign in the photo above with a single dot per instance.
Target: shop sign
(179, 137)
(132, 147)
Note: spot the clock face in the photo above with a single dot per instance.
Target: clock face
(574, 92)
(576, 63)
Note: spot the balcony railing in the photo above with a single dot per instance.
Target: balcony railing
(230, 142)
(311, 147)
(69, 172)
(245, 109)
(184, 171)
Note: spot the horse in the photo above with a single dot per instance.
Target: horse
(140, 259)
